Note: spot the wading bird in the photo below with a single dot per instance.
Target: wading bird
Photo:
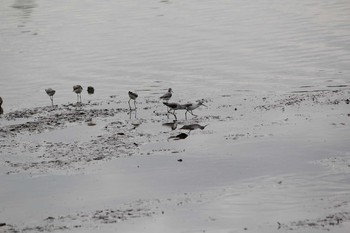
(78, 89)
(132, 96)
(90, 90)
(191, 106)
(50, 92)
(174, 107)
(167, 95)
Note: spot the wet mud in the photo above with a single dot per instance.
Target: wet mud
(325, 224)
(118, 132)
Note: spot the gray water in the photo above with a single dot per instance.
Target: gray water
(200, 48)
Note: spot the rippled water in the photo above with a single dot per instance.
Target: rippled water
(150, 45)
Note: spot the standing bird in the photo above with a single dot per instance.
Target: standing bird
(174, 107)
(191, 106)
(78, 89)
(193, 127)
(167, 95)
(50, 92)
(132, 96)
(90, 90)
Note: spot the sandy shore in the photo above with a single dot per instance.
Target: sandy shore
(271, 163)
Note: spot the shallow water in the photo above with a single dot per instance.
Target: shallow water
(200, 48)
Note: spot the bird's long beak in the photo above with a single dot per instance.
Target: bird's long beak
(204, 105)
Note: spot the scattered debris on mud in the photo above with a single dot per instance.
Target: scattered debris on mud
(319, 97)
(83, 220)
(336, 163)
(326, 223)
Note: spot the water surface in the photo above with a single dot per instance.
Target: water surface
(200, 48)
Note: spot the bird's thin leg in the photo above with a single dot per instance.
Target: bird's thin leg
(135, 103)
(174, 115)
(77, 98)
(51, 97)
(129, 104)
(80, 97)
(186, 114)
(193, 114)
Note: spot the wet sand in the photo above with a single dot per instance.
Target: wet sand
(269, 163)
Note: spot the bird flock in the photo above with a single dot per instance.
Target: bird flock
(171, 107)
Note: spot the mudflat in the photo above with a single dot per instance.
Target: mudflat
(269, 163)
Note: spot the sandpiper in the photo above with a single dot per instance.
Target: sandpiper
(191, 106)
(174, 107)
(78, 89)
(90, 90)
(50, 92)
(167, 95)
(132, 96)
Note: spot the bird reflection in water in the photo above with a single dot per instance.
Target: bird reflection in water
(179, 136)
(172, 125)
(26, 6)
(193, 127)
